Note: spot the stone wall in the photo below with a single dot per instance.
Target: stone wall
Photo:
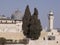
(11, 35)
(10, 27)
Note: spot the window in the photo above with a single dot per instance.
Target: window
(43, 38)
(57, 42)
(6, 22)
(1, 21)
(51, 37)
(52, 33)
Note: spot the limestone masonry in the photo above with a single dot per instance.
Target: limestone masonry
(11, 28)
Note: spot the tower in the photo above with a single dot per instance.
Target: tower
(51, 19)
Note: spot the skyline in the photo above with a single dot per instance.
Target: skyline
(7, 7)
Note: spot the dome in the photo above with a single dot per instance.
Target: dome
(51, 12)
(17, 15)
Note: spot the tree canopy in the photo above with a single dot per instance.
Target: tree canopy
(2, 40)
(31, 24)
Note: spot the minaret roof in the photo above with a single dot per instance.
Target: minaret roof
(51, 12)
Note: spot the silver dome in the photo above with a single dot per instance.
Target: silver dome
(17, 15)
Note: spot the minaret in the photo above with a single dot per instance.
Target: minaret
(51, 19)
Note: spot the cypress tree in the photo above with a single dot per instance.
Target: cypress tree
(26, 22)
(31, 24)
(35, 28)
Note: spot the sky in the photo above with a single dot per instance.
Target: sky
(7, 7)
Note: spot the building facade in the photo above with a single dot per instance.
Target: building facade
(11, 28)
(49, 36)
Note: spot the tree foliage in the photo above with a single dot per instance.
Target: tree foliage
(35, 27)
(26, 22)
(2, 40)
(31, 24)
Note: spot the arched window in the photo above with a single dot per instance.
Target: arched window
(6, 21)
(51, 37)
(1, 21)
(43, 38)
(52, 33)
(57, 42)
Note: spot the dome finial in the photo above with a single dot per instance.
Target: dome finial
(51, 12)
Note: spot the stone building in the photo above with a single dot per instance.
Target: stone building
(48, 36)
(11, 28)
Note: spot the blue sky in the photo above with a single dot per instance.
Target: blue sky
(7, 7)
